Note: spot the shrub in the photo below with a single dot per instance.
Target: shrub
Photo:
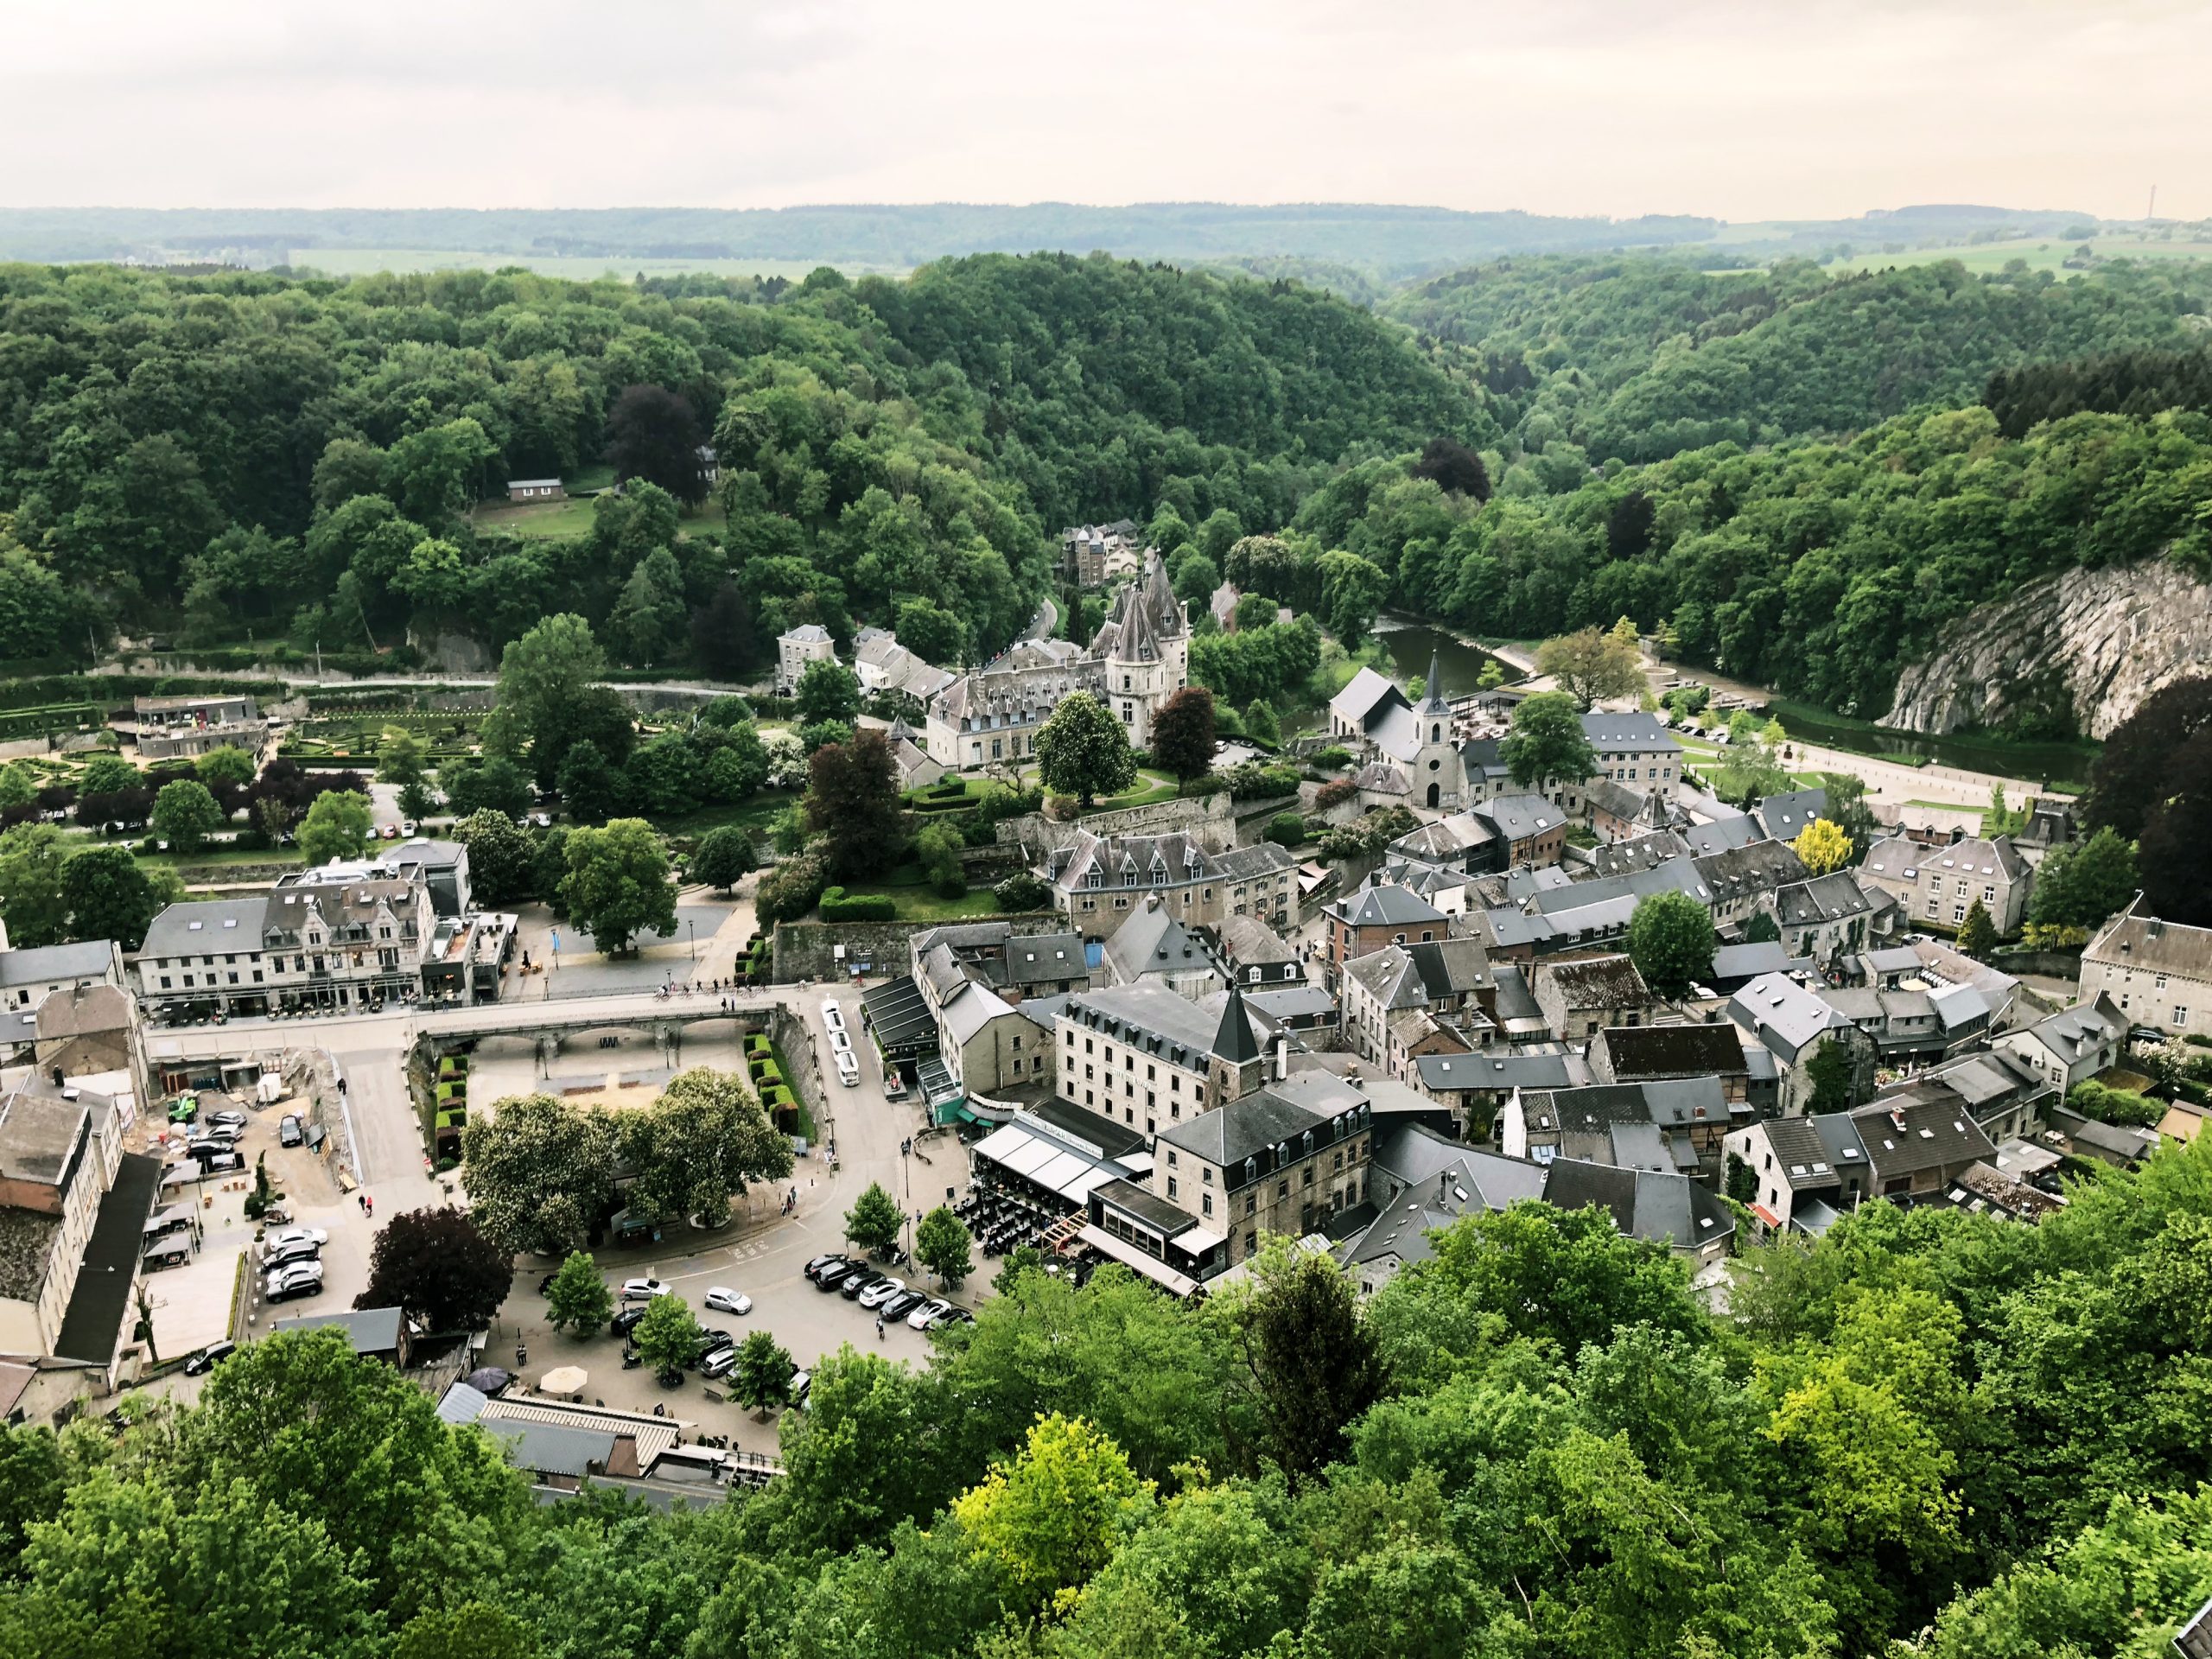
(1286, 829)
(1335, 758)
(1061, 809)
(1023, 891)
(1252, 781)
(790, 890)
(1335, 794)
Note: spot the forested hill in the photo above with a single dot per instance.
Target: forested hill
(1639, 358)
(304, 456)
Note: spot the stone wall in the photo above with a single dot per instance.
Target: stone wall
(2102, 640)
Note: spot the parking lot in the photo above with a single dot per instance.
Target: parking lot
(193, 1303)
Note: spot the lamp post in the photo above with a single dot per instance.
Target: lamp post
(694, 927)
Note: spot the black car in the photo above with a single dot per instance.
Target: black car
(821, 1264)
(708, 1342)
(626, 1321)
(901, 1305)
(855, 1283)
(545, 1285)
(836, 1273)
(290, 1131)
(209, 1358)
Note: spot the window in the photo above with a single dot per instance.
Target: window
(1989, 895)
(1205, 1203)
(1206, 1174)
(1959, 912)
(1170, 1186)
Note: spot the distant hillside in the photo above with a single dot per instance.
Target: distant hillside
(1388, 239)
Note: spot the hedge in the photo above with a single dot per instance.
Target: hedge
(873, 907)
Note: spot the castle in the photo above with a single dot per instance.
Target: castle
(1140, 657)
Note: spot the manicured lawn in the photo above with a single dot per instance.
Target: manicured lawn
(1151, 787)
(755, 814)
(919, 902)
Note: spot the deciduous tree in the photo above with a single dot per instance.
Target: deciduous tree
(2084, 881)
(653, 434)
(828, 691)
(943, 1244)
(852, 798)
(185, 815)
(762, 1377)
(875, 1220)
(1054, 1513)
(111, 896)
(502, 857)
(1082, 750)
(1308, 1364)
(617, 884)
(337, 825)
(578, 1300)
(1183, 732)
(435, 1265)
(1593, 667)
(538, 1171)
(493, 784)
(667, 1337)
(725, 857)
(1546, 741)
(701, 1144)
(1822, 847)
(1977, 934)
(228, 765)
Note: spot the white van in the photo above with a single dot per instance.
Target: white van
(849, 1069)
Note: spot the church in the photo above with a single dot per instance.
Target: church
(1140, 657)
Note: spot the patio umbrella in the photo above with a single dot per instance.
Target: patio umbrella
(490, 1380)
(568, 1379)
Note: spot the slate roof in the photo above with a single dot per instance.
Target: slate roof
(1366, 696)
(1784, 816)
(1172, 1026)
(45, 964)
(92, 1329)
(1250, 943)
(1385, 906)
(1832, 898)
(2136, 938)
(1230, 1133)
(1739, 829)
(1659, 1207)
(173, 933)
(1782, 1014)
(1631, 732)
(1596, 982)
(370, 1330)
(1518, 817)
(1443, 1073)
(2085, 1026)
(1151, 941)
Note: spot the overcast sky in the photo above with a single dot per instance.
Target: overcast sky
(1741, 109)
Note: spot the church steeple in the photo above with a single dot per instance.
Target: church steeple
(1235, 1041)
(1435, 699)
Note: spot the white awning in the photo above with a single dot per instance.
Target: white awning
(1027, 1160)
(1060, 1170)
(1197, 1240)
(1001, 1143)
(1079, 1188)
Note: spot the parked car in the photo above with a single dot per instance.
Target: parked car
(643, 1290)
(953, 1316)
(815, 1267)
(800, 1382)
(220, 1163)
(721, 1363)
(207, 1145)
(233, 1120)
(291, 1131)
(209, 1358)
(901, 1305)
(854, 1284)
(927, 1314)
(833, 1277)
(295, 1279)
(300, 1250)
(708, 1342)
(293, 1235)
(625, 1322)
(881, 1291)
(833, 1017)
(723, 1299)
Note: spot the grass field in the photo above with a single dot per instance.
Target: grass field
(359, 262)
(2041, 253)
(566, 520)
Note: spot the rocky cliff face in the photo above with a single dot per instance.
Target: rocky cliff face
(2102, 639)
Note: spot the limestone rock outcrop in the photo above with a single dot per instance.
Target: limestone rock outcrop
(2102, 640)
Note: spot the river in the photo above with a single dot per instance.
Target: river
(1409, 643)
(1968, 751)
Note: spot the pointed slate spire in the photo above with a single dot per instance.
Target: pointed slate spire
(1435, 697)
(1235, 1041)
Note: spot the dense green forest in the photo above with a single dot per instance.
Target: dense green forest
(1639, 358)
(1962, 1435)
(1814, 568)
(303, 457)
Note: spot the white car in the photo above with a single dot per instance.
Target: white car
(877, 1295)
(283, 1235)
(832, 1015)
(723, 1299)
(920, 1317)
(644, 1290)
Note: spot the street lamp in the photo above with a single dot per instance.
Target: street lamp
(694, 926)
